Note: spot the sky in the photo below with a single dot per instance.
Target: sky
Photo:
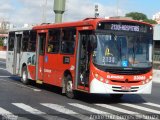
(20, 12)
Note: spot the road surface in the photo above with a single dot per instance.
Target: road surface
(37, 102)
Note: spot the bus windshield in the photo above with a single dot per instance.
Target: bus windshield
(132, 51)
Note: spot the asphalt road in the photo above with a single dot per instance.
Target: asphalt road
(37, 102)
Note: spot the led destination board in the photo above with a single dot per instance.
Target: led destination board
(125, 27)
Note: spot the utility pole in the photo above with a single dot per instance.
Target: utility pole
(59, 8)
(117, 6)
(96, 11)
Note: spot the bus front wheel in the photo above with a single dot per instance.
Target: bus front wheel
(69, 87)
(24, 78)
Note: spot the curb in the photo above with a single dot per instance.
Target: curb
(156, 76)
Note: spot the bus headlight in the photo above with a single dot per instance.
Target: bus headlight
(143, 82)
(107, 81)
(150, 77)
(96, 75)
(147, 80)
(101, 79)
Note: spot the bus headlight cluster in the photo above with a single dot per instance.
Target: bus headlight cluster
(146, 81)
(100, 78)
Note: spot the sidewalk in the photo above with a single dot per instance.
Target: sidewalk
(2, 54)
(156, 73)
(156, 76)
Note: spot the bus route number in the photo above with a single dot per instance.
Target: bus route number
(108, 60)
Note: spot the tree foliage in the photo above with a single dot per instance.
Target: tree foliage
(1, 42)
(140, 16)
(136, 15)
(150, 21)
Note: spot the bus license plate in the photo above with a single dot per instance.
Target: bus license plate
(126, 88)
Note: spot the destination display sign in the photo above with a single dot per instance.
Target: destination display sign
(124, 26)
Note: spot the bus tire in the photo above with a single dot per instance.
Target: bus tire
(24, 78)
(69, 87)
(116, 96)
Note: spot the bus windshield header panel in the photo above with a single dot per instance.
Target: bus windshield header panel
(131, 48)
(124, 26)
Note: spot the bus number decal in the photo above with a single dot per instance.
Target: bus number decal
(139, 77)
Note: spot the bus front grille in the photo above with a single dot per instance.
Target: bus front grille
(120, 89)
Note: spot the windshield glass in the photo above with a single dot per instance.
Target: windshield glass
(123, 50)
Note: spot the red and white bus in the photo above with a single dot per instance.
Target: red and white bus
(104, 56)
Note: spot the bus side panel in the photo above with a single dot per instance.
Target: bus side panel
(50, 65)
(65, 63)
(28, 59)
(9, 61)
(31, 72)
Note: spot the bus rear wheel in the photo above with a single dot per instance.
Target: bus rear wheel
(69, 87)
(116, 96)
(24, 78)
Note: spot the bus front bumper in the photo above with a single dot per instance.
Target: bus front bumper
(99, 87)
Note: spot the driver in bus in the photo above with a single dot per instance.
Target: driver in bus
(50, 43)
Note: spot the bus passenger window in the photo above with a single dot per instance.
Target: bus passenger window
(32, 42)
(68, 41)
(11, 41)
(25, 41)
(53, 41)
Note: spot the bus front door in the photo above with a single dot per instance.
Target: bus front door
(83, 60)
(17, 52)
(40, 57)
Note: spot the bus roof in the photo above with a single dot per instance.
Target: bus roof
(86, 22)
(3, 35)
(20, 29)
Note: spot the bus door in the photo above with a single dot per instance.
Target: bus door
(51, 62)
(17, 51)
(40, 53)
(83, 60)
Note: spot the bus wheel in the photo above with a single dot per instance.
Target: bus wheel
(24, 78)
(116, 96)
(69, 87)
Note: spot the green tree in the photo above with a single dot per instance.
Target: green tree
(140, 16)
(1, 42)
(137, 16)
(150, 21)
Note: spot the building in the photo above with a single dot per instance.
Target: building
(156, 17)
(156, 53)
(4, 28)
